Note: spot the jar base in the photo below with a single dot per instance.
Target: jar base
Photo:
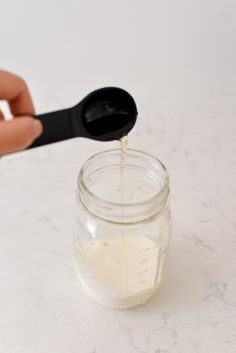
(123, 303)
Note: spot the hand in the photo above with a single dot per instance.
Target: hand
(19, 133)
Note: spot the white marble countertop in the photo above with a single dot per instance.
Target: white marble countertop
(42, 307)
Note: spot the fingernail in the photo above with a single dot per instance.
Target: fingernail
(37, 128)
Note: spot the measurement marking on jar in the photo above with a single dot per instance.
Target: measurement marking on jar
(142, 282)
(151, 247)
(144, 271)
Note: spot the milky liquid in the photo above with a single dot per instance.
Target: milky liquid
(121, 271)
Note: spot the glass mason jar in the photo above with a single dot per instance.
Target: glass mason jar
(122, 227)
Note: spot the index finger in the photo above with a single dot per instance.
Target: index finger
(14, 89)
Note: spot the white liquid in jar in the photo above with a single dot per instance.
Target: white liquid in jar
(121, 271)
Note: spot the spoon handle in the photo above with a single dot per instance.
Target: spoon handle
(57, 126)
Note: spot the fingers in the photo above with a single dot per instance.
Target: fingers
(14, 89)
(18, 134)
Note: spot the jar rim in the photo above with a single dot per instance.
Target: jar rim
(81, 183)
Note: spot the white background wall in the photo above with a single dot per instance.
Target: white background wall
(181, 49)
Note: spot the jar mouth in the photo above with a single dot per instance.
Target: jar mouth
(164, 189)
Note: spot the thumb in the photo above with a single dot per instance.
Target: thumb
(18, 134)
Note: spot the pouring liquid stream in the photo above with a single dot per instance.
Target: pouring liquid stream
(123, 147)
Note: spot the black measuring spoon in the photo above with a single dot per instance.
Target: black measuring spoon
(105, 114)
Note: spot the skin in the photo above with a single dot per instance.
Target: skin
(18, 133)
